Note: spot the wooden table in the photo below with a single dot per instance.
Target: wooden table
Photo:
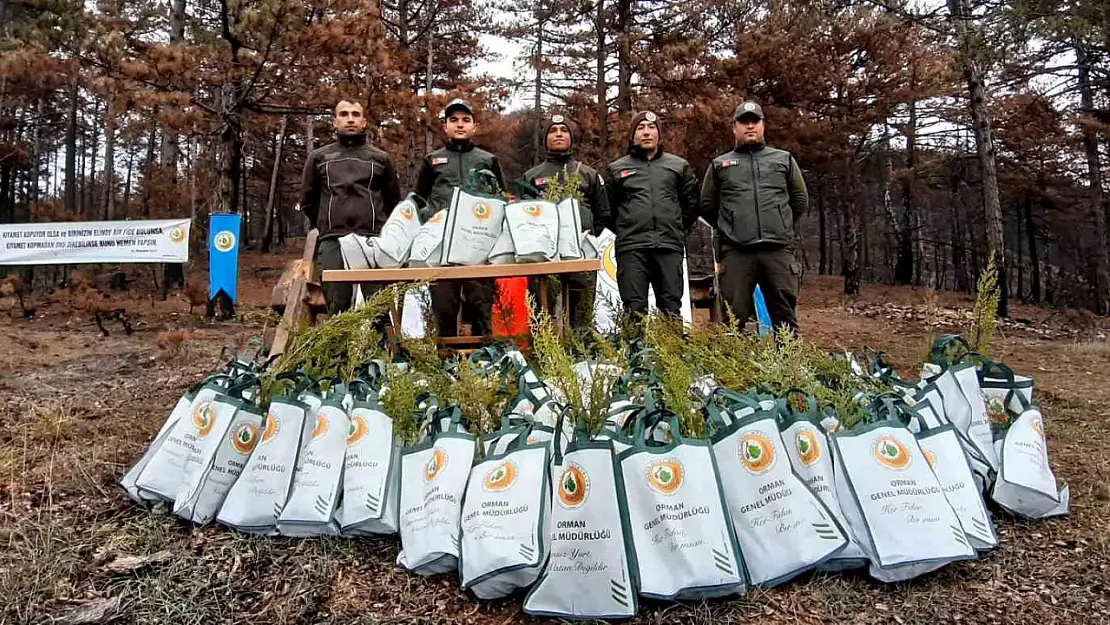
(475, 272)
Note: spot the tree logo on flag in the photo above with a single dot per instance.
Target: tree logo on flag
(891, 453)
(245, 438)
(224, 240)
(574, 486)
(665, 476)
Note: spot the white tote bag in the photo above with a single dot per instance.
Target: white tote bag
(371, 472)
(946, 458)
(570, 230)
(782, 528)
(894, 503)
(128, 482)
(310, 509)
(591, 572)
(503, 252)
(1026, 485)
(504, 541)
(434, 474)
(979, 430)
(160, 479)
(257, 497)
(473, 225)
(685, 547)
(1001, 387)
(957, 411)
(395, 239)
(534, 229)
(214, 466)
(607, 297)
(427, 245)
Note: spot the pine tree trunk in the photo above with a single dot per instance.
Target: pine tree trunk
(538, 139)
(427, 94)
(852, 231)
(602, 85)
(90, 181)
(148, 174)
(127, 185)
(1034, 260)
(1100, 266)
(171, 151)
(1019, 291)
(970, 61)
(822, 245)
(268, 236)
(71, 146)
(110, 159)
(624, 58)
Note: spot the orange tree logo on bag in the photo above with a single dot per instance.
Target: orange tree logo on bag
(931, 458)
(245, 438)
(533, 210)
(357, 431)
(176, 234)
(665, 476)
(1038, 426)
(574, 486)
(406, 211)
(438, 217)
(270, 429)
(996, 409)
(224, 241)
(482, 211)
(892, 453)
(204, 417)
(756, 453)
(500, 477)
(809, 450)
(435, 465)
(321, 427)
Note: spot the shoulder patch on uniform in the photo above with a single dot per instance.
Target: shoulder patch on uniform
(539, 182)
(626, 173)
(439, 160)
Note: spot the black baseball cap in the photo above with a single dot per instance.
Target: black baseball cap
(458, 104)
(748, 108)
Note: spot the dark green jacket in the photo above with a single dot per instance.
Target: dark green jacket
(349, 186)
(594, 206)
(754, 196)
(448, 167)
(654, 202)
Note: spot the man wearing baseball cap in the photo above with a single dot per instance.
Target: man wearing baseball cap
(558, 168)
(442, 171)
(653, 196)
(754, 195)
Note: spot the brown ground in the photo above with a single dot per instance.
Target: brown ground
(77, 409)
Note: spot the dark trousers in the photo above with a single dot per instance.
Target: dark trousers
(771, 269)
(473, 297)
(659, 268)
(581, 306)
(339, 295)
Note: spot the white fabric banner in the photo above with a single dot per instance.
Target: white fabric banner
(146, 241)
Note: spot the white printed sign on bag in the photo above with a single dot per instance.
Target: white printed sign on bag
(888, 492)
(161, 477)
(130, 479)
(395, 239)
(1026, 485)
(782, 527)
(534, 230)
(591, 570)
(371, 473)
(607, 298)
(503, 522)
(946, 458)
(317, 481)
(473, 225)
(427, 246)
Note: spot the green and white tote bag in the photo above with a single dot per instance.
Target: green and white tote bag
(314, 495)
(130, 479)
(434, 474)
(533, 228)
(371, 472)
(395, 239)
(473, 225)
(782, 527)
(570, 230)
(946, 458)
(427, 246)
(504, 542)
(160, 479)
(1026, 485)
(678, 518)
(591, 570)
(894, 503)
(255, 500)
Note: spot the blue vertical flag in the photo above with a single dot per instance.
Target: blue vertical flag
(761, 313)
(223, 254)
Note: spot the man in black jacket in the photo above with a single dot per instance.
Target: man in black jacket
(443, 170)
(654, 199)
(754, 196)
(348, 187)
(558, 168)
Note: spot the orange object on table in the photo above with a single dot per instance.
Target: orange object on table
(510, 307)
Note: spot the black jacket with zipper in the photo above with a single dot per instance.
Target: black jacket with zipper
(448, 167)
(349, 186)
(594, 206)
(754, 195)
(654, 202)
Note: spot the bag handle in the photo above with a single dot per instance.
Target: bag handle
(785, 408)
(949, 343)
(652, 420)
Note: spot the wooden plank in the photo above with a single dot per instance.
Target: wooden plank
(418, 274)
(297, 311)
